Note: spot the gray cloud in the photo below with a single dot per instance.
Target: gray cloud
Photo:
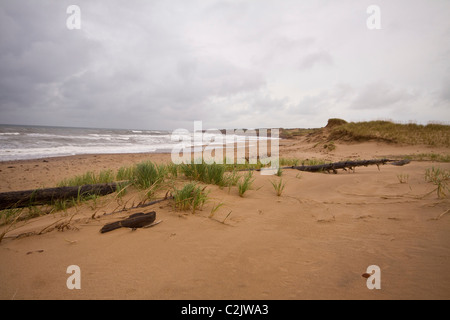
(318, 58)
(444, 92)
(380, 95)
(161, 65)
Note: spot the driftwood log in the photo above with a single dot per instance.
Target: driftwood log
(341, 165)
(137, 220)
(345, 165)
(21, 199)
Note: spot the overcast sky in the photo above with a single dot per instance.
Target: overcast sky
(147, 64)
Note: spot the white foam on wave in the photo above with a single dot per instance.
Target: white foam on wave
(36, 153)
(34, 145)
(9, 133)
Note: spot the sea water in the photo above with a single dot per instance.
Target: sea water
(35, 142)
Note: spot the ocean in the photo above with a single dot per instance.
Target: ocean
(35, 142)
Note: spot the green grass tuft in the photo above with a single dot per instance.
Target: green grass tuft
(278, 186)
(147, 174)
(440, 178)
(289, 162)
(189, 197)
(427, 157)
(246, 183)
(88, 178)
(207, 173)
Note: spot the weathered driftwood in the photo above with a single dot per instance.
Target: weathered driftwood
(400, 162)
(21, 199)
(167, 197)
(341, 165)
(137, 220)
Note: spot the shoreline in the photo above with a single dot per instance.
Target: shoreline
(165, 151)
(50, 158)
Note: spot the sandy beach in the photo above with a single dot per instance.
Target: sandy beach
(97, 99)
(313, 242)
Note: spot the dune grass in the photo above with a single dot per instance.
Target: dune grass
(143, 176)
(411, 133)
(150, 177)
(246, 183)
(190, 197)
(215, 208)
(105, 176)
(10, 216)
(289, 162)
(222, 175)
(440, 178)
(427, 157)
(278, 186)
(313, 162)
(207, 173)
(296, 132)
(147, 174)
(125, 173)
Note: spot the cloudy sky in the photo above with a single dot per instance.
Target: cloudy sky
(147, 64)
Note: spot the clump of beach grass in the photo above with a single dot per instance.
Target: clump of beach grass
(436, 157)
(231, 179)
(278, 186)
(247, 164)
(215, 208)
(209, 173)
(190, 197)
(313, 162)
(147, 175)
(440, 178)
(289, 162)
(279, 172)
(172, 169)
(246, 183)
(106, 176)
(125, 173)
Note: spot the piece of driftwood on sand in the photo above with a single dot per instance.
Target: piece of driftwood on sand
(345, 165)
(137, 220)
(21, 199)
(350, 165)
